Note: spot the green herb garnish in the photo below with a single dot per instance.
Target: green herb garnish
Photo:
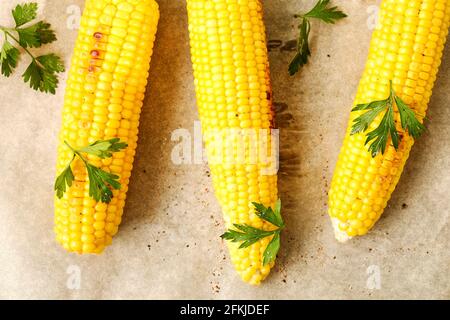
(100, 181)
(42, 71)
(321, 12)
(249, 235)
(387, 128)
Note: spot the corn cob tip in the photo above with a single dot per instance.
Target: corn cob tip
(340, 235)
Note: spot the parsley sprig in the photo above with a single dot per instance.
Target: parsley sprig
(322, 11)
(100, 181)
(379, 137)
(42, 71)
(249, 235)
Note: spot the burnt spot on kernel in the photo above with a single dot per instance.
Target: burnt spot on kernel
(95, 53)
(98, 35)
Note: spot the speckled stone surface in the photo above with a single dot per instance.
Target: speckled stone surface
(168, 246)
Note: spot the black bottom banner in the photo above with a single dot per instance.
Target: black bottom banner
(223, 309)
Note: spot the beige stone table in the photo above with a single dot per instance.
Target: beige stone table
(168, 245)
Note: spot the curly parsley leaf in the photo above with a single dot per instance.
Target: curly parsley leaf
(249, 235)
(325, 13)
(361, 124)
(25, 13)
(321, 11)
(408, 119)
(272, 216)
(64, 180)
(101, 182)
(303, 50)
(105, 148)
(51, 62)
(39, 78)
(9, 57)
(272, 249)
(36, 35)
(42, 71)
(379, 137)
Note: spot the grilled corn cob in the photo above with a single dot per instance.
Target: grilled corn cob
(231, 68)
(103, 100)
(406, 49)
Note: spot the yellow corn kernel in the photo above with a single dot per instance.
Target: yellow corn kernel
(104, 65)
(412, 64)
(231, 68)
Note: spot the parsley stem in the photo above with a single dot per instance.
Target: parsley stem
(7, 29)
(8, 33)
(76, 152)
(69, 146)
